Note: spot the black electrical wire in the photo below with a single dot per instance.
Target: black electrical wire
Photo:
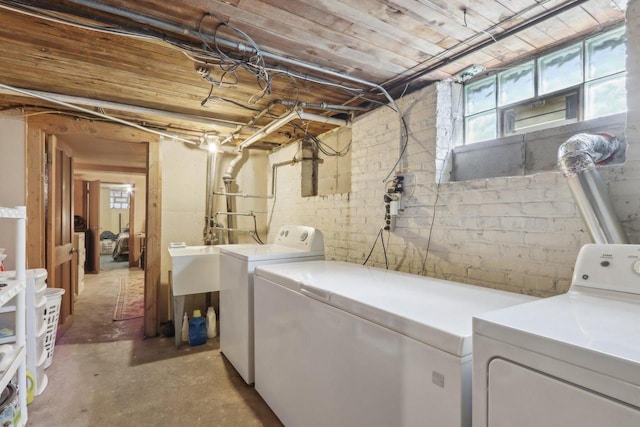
(255, 234)
(435, 202)
(326, 149)
(384, 249)
(405, 142)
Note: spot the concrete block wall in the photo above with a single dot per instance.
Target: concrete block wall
(520, 234)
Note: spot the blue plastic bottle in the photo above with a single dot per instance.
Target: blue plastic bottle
(197, 329)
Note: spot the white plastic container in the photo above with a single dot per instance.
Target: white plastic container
(212, 326)
(185, 328)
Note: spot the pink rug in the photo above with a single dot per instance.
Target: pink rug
(130, 303)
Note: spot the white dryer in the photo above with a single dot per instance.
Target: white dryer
(569, 360)
(293, 243)
(339, 344)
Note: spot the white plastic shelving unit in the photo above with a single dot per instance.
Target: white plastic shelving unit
(13, 292)
(36, 327)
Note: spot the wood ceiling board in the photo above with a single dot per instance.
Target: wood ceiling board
(604, 10)
(427, 24)
(309, 33)
(349, 10)
(311, 13)
(519, 5)
(99, 151)
(579, 20)
(307, 41)
(100, 48)
(331, 56)
(536, 38)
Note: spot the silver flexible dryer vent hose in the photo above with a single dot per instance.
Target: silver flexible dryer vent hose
(577, 159)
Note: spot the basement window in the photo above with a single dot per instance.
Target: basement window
(119, 198)
(582, 81)
(516, 119)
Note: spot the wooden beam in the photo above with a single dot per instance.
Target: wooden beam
(57, 125)
(35, 172)
(80, 167)
(153, 233)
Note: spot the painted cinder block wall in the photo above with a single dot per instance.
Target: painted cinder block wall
(520, 234)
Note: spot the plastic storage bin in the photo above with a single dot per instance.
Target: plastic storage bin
(51, 316)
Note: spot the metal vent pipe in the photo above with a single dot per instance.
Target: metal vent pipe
(577, 159)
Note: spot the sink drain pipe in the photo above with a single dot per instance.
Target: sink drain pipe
(577, 158)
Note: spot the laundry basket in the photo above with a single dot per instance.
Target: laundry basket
(51, 316)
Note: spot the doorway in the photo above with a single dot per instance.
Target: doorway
(95, 146)
(118, 230)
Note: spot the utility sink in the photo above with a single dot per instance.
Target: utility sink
(194, 269)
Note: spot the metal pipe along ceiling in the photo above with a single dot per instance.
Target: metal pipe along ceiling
(577, 159)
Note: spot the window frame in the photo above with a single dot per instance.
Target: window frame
(577, 89)
(114, 198)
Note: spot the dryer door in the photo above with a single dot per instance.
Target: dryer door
(519, 396)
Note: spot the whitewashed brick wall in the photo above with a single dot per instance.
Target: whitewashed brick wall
(515, 233)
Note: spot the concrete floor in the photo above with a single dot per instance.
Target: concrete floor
(105, 374)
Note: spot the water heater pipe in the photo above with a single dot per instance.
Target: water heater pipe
(577, 159)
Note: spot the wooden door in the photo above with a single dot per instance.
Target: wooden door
(93, 225)
(59, 226)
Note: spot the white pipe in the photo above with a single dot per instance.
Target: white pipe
(324, 119)
(275, 125)
(271, 127)
(95, 113)
(88, 102)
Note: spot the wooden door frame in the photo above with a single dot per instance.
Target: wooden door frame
(54, 250)
(93, 223)
(37, 129)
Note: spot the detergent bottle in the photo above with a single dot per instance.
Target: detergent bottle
(212, 327)
(197, 329)
(184, 332)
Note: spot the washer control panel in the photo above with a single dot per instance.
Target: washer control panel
(610, 267)
(300, 237)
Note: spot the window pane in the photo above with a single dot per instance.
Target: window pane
(606, 54)
(480, 127)
(480, 95)
(605, 96)
(561, 69)
(516, 84)
(540, 113)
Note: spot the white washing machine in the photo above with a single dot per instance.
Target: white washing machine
(569, 360)
(293, 243)
(340, 344)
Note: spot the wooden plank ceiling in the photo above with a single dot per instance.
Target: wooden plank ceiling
(157, 63)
